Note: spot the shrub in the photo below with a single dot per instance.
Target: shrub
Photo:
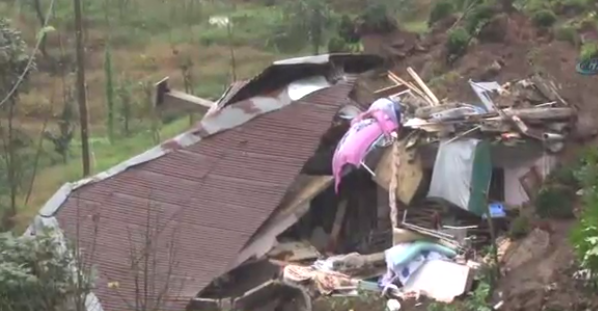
(346, 30)
(338, 45)
(567, 33)
(544, 18)
(584, 236)
(588, 50)
(519, 228)
(440, 11)
(457, 42)
(555, 201)
(479, 17)
(375, 18)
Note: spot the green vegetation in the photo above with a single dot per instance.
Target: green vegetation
(584, 237)
(520, 227)
(36, 273)
(544, 18)
(457, 42)
(479, 16)
(441, 10)
(588, 50)
(567, 33)
(476, 301)
(555, 201)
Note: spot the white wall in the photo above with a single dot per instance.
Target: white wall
(515, 195)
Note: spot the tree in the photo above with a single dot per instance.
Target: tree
(37, 273)
(311, 18)
(15, 66)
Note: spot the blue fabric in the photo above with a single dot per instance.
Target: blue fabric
(400, 257)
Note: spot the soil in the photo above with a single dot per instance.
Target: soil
(545, 282)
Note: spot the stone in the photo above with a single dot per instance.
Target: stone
(533, 246)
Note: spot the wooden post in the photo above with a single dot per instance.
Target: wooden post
(81, 92)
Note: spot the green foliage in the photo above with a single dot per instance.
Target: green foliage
(308, 20)
(109, 76)
(544, 18)
(36, 273)
(555, 201)
(441, 10)
(66, 128)
(338, 45)
(567, 33)
(584, 237)
(588, 50)
(479, 16)
(13, 57)
(458, 40)
(476, 301)
(519, 228)
(376, 18)
(346, 29)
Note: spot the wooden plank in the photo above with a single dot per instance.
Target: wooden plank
(423, 86)
(337, 225)
(409, 173)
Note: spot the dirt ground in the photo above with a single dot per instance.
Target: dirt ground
(545, 282)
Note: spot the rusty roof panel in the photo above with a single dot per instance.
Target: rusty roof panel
(205, 201)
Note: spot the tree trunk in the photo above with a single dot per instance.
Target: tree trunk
(37, 6)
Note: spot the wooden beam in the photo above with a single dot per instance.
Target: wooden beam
(173, 100)
(423, 86)
(390, 90)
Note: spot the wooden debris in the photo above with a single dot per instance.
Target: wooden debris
(423, 86)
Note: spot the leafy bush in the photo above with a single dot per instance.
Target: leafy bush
(567, 33)
(375, 18)
(555, 201)
(544, 18)
(458, 40)
(346, 30)
(584, 236)
(337, 45)
(36, 273)
(519, 228)
(478, 17)
(440, 11)
(588, 50)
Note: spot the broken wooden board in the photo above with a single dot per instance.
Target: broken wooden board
(409, 175)
(294, 251)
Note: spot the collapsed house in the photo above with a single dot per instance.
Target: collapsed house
(247, 210)
(201, 198)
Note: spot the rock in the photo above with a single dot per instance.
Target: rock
(585, 127)
(491, 71)
(532, 246)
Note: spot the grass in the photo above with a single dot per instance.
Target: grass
(104, 157)
(149, 40)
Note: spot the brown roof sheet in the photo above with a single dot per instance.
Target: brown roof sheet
(204, 201)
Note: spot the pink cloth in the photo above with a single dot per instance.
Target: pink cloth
(353, 147)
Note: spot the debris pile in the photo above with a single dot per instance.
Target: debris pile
(419, 186)
(436, 258)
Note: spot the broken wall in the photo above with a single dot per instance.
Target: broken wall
(515, 194)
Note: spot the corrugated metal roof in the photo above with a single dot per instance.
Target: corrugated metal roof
(205, 200)
(282, 72)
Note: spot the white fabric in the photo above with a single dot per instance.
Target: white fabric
(451, 179)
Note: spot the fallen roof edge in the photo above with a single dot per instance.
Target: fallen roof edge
(208, 126)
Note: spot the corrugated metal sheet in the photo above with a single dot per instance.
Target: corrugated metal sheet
(198, 204)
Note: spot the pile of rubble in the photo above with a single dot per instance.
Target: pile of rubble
(419, 185)
(435, 258)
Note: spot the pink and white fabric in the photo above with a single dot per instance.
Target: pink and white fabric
(379, 121)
